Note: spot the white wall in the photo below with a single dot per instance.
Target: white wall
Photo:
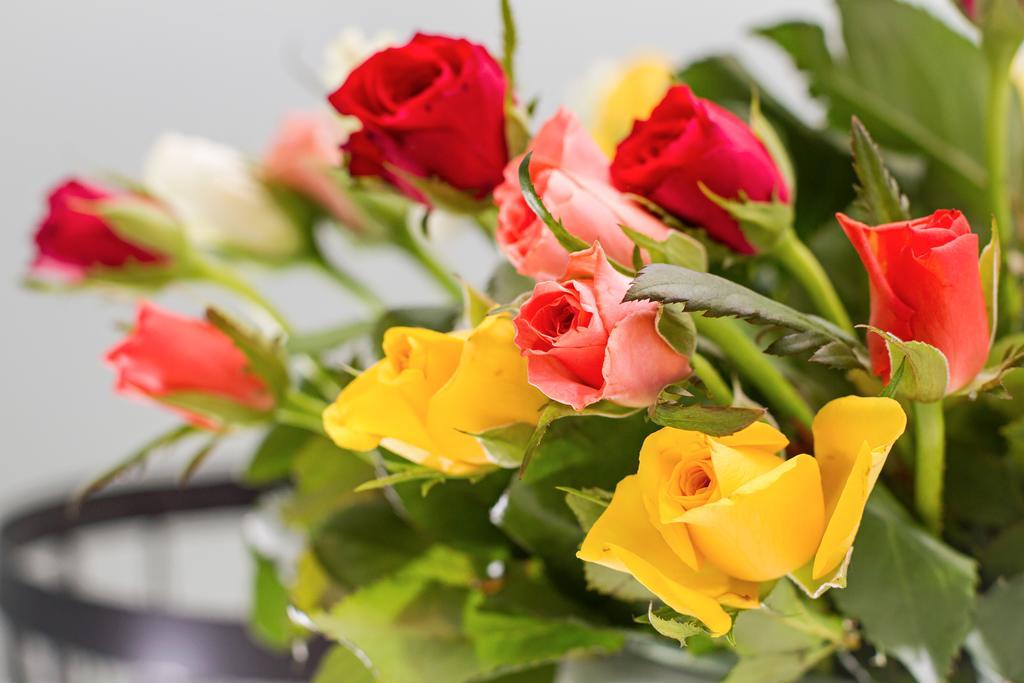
(86, 85)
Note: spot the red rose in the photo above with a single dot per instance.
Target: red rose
(687, 141)
(925, 286)
(174, 359)
(74, 239)
(583, 343)
(434, 108)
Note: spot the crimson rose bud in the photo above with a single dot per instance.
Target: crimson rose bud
(434, 108)
(173, 359)
(925, 286)
(687, 141)
(73, 238)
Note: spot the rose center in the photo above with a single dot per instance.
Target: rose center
(693, 482)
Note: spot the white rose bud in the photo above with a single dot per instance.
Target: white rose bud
(214, 192)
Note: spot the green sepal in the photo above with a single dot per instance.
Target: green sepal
(678, 249)
(769, 137)
(878, 193)
(505, 446)
(267, 357)
(815, 588)
(145, 224)
(763, 224)
(675, 326)
(926, 370)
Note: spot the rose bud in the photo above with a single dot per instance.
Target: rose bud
(689, 141)
(433, 108)
(76, 240)
(191, 367)
(570, 174)
(432, 392)
(220, 201)
(301, 157)
(583, 344)
(925, 286)
(706, 520)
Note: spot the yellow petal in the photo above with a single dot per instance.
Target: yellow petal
(369, 409)
(636, 90)
(735, 467)
(624, 539)
(767, 527)
(841, 427)
(759, 436)
(659, 455)
(846, 515)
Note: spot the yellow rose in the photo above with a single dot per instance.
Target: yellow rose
(631, 94)
(431, 391)
(705, 520)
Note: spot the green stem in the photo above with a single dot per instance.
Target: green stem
(302, 411)
(804, 266)
(999, 55)
(930, 445)
(347, 281)
(755, 366)
(329, 338)
(228, 279)
(415, 247)
(717, 388)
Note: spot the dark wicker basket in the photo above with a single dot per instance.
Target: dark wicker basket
(86, 640)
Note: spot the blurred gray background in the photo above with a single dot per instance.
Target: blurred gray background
(87, 85)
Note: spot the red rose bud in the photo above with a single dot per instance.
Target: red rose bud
(191, 367)
(925, 286)
(689, 141)
(433, 108)
(74, 238)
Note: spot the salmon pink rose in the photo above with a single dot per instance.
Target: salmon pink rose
(301, 157)
(75, 239)
(925, 286)
(433, 108)
(570, 174)
(185, 363)
(687, 142)
(583, 344)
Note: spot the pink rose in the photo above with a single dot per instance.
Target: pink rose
(306, 147)
(570, 174)
(582, 343)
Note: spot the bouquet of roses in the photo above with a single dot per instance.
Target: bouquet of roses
(730, 389)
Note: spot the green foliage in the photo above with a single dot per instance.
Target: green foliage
(268, 615)
(146, 224)
(783, 639)
(549, 415)
(719, 297)
(569, 242)
(710, 419)
(995, 643)
(676, 327)
(764, 224)
(267, 357)
(912, 594)
(340, 665)
(877, 190)
(506, 446)
(925, 373)
(587, 504)
(673, 625)
(678, 249)
(273, 458)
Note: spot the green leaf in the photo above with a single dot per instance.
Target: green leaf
(618, 585)
(676, 327)
(133, 461)
(719, 297)
(144, 223)
(267, 358)
(506, 446)
(412, 473)
(926, 370)
(219, 409)
(324, 477)
(340, 665)
(995, 643)
(272, 460)
(713, 420)
(268, 615)
(769, 137)
(555, 411)
(877, 190)
(506, 285)
(569, 242)
(364, 542)
(678, 249)
(587, 504)
(783, 639)
(673, 625)
(912, 594)
(764, 224)
(329, 338)
(815, 588)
